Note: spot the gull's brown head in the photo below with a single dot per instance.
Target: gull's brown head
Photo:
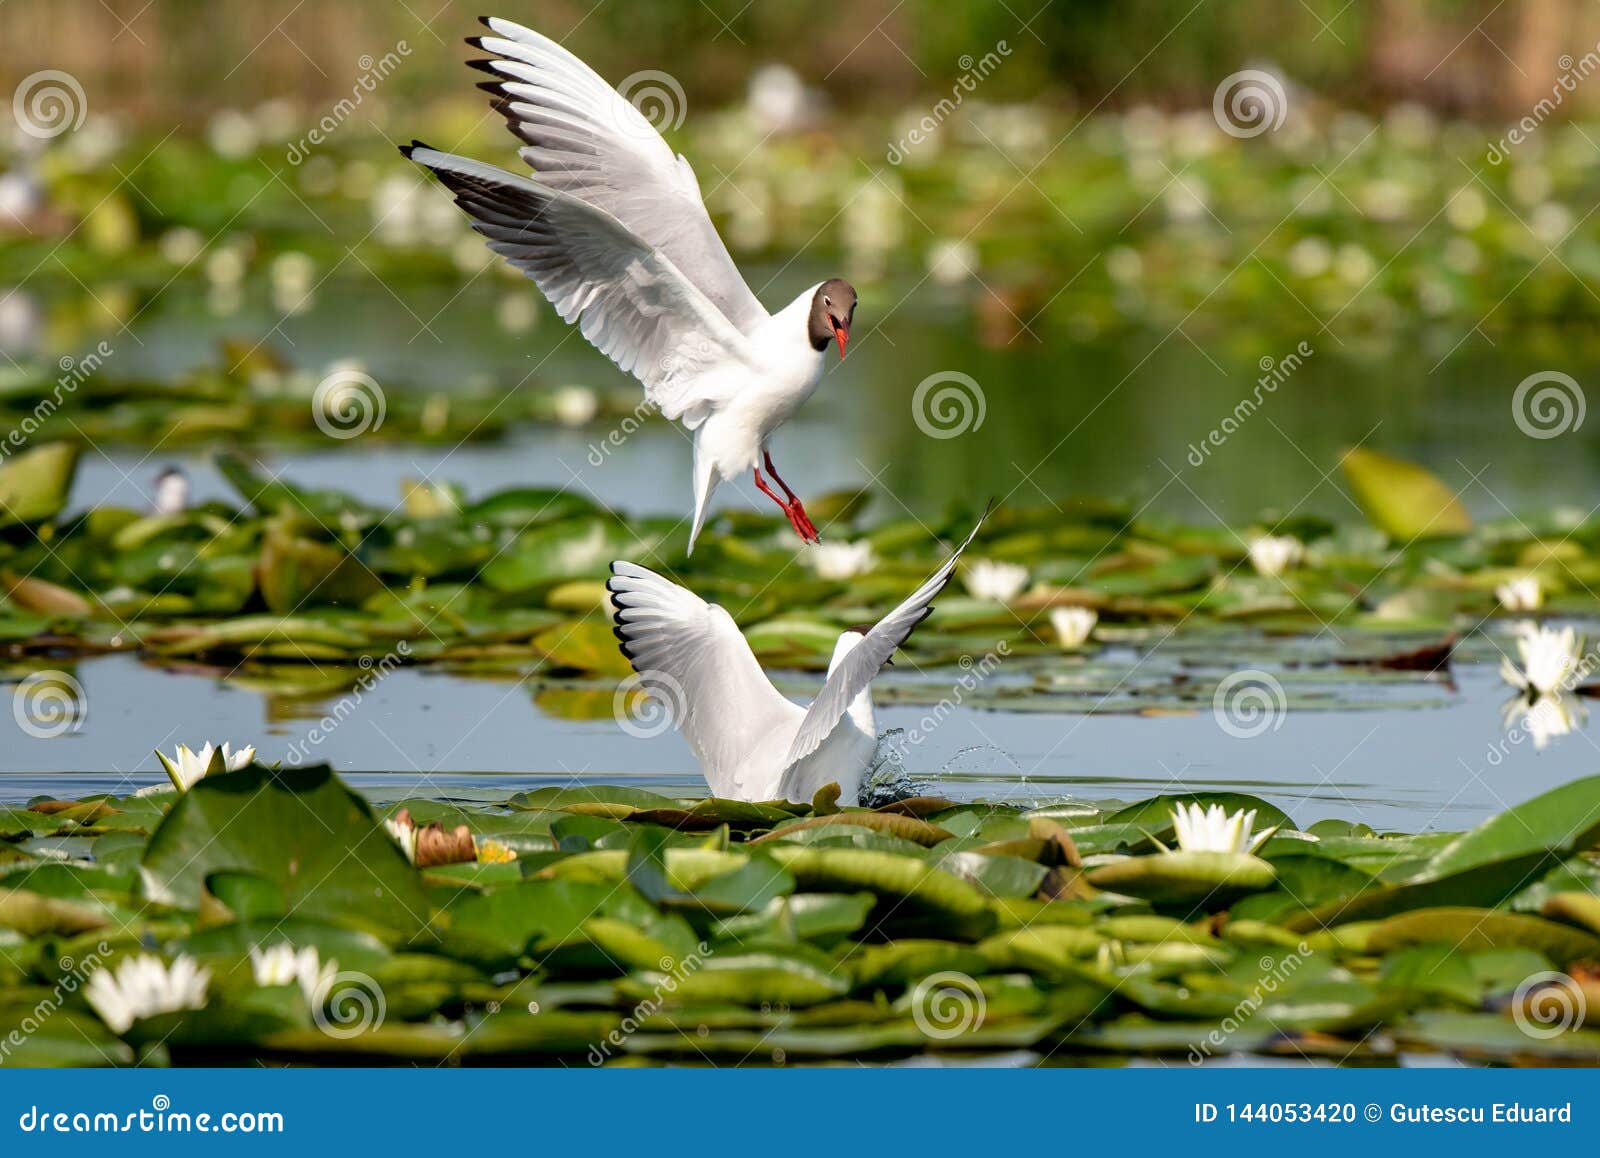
(832, 308)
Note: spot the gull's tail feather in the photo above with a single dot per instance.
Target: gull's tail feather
(705, 481)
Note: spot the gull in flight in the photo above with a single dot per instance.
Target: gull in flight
(612, 229)
(752, 743)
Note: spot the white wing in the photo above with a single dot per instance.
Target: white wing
(857, 670)
(692, 657)
(584, 138)
(627, 296)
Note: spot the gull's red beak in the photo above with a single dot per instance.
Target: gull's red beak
(841, 333)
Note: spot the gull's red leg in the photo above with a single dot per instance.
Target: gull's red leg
(806, 525)
(788, 509)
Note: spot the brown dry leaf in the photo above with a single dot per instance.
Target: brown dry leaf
(918, 806)
(45, 598)
(435, 846)
(1065, 884)
(1430, 657)
(1043, 828)
(83, 811)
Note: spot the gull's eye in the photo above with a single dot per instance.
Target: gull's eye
(827, 301)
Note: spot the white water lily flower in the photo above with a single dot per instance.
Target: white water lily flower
(404, 833)
(281, 964)
(144, 986)
(1275, 554)
(1000, 582)
(841, 560)
(573, 405)
(1545, 718)
(185, 767)
(1213, 830)
(1550, 659)
(1522, 594)
(1073, 624)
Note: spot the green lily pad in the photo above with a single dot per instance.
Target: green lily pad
(35, 483)
(1403, 500)
(299, 828)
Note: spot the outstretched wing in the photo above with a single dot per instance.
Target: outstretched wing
(627, 296)
(584, 138)
(691, 656)
(858, 669)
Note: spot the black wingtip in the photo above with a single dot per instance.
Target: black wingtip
(407, 150)
(483, 64)
(475, 42)
(484, 20)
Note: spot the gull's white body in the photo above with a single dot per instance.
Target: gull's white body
(844, 758)
(744, 408)
(613, 230)
(752, 743)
